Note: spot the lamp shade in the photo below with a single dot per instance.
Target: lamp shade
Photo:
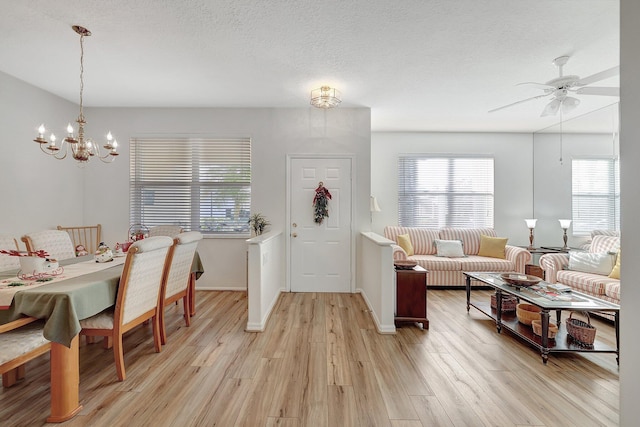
(565, 223)
(531, 223)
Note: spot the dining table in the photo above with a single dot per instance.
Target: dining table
(83, 289)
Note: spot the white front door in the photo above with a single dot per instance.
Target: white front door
(320, 254)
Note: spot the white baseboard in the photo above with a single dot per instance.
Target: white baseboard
(221, 288)
(382, 329)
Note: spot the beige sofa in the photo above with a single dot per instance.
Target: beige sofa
(448, 272)
(556, 270)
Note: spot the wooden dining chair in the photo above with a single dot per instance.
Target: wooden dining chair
(165, 230)
(20, 341)
(138, 299)
(56, 243)
(8, 243)
(85, 235)
(177, 276)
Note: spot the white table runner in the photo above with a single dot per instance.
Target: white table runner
(11, 285)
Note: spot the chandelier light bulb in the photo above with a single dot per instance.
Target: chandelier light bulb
(41, 130)
(70, 129)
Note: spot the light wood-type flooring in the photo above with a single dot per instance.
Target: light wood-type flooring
(320, 362)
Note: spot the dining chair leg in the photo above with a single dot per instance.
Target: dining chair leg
(185, 307)
(11, 377)
(157, 340)
(118, 355)
(192, 294)
(163, 329)
(107, 342)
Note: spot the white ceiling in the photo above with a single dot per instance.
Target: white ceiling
(420, 65)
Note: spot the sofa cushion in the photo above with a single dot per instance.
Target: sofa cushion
(602, 243)
(481, 263)
(589, 283)
(404, 241)
(596, 263)
(615, 273)
(470, 237)
(612, 290)
(449, 248)
(435, 263)
(421, 238)
(492, 247)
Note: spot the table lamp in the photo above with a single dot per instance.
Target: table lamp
(531, 224)
(564, 224)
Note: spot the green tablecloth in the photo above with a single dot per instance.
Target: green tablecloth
(65, 303)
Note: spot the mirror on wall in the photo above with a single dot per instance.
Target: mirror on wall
(585, 143)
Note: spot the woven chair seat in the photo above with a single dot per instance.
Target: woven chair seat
(18, 342)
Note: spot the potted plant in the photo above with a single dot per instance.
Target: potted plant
(258, 223)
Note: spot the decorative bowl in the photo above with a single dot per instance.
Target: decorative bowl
(527, 313)
(405, 265)
(516, 279)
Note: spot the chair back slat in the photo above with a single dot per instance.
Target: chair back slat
(87, 235)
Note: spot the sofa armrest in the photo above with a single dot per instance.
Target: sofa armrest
(519, 256)
(551, 264)
(398, 253)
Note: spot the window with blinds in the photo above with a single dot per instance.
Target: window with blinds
(441, 191)
(595, 193)
(200, 184)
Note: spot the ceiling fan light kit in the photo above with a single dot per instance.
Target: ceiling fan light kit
(560, 87)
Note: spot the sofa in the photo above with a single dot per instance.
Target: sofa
(447, 271)
(590, 277)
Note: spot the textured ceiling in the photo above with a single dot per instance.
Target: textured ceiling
(420, 65)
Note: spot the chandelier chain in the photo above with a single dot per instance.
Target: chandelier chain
(81, 73)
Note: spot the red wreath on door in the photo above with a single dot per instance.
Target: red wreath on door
(321, 203)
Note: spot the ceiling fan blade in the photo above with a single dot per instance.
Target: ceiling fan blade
(599, 76)
(543, 86)
(552, 108)
(599, 90)
(518, 102)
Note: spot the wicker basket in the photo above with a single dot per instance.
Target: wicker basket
(536, 325)
(508, 302)
(527, 313)
(580, 331)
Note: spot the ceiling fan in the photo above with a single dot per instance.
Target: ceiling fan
(560, 87)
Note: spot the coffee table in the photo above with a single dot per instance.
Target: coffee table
(563, 342)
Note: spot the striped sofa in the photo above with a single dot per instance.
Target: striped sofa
(604, 287)
(448, 272)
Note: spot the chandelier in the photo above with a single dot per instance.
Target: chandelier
(325, 97)
(81, 149)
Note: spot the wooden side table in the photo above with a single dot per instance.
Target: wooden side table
(411, 296)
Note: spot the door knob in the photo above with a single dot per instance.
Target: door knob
(294, 235)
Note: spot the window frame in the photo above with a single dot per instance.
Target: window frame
(407, 215)
(583, 227)
(190, 181)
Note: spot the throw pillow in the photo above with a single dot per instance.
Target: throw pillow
(404, 241)
(449, 248)
(596, 263)
(492, 247)
(615, 273)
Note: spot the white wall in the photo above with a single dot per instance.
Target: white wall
(513, 173)
(630, 205)
(552, 181)
(37, 192)
(274, 133)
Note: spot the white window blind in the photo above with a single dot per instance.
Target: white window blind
(200, 184)
(595, 195)
(439, 191)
